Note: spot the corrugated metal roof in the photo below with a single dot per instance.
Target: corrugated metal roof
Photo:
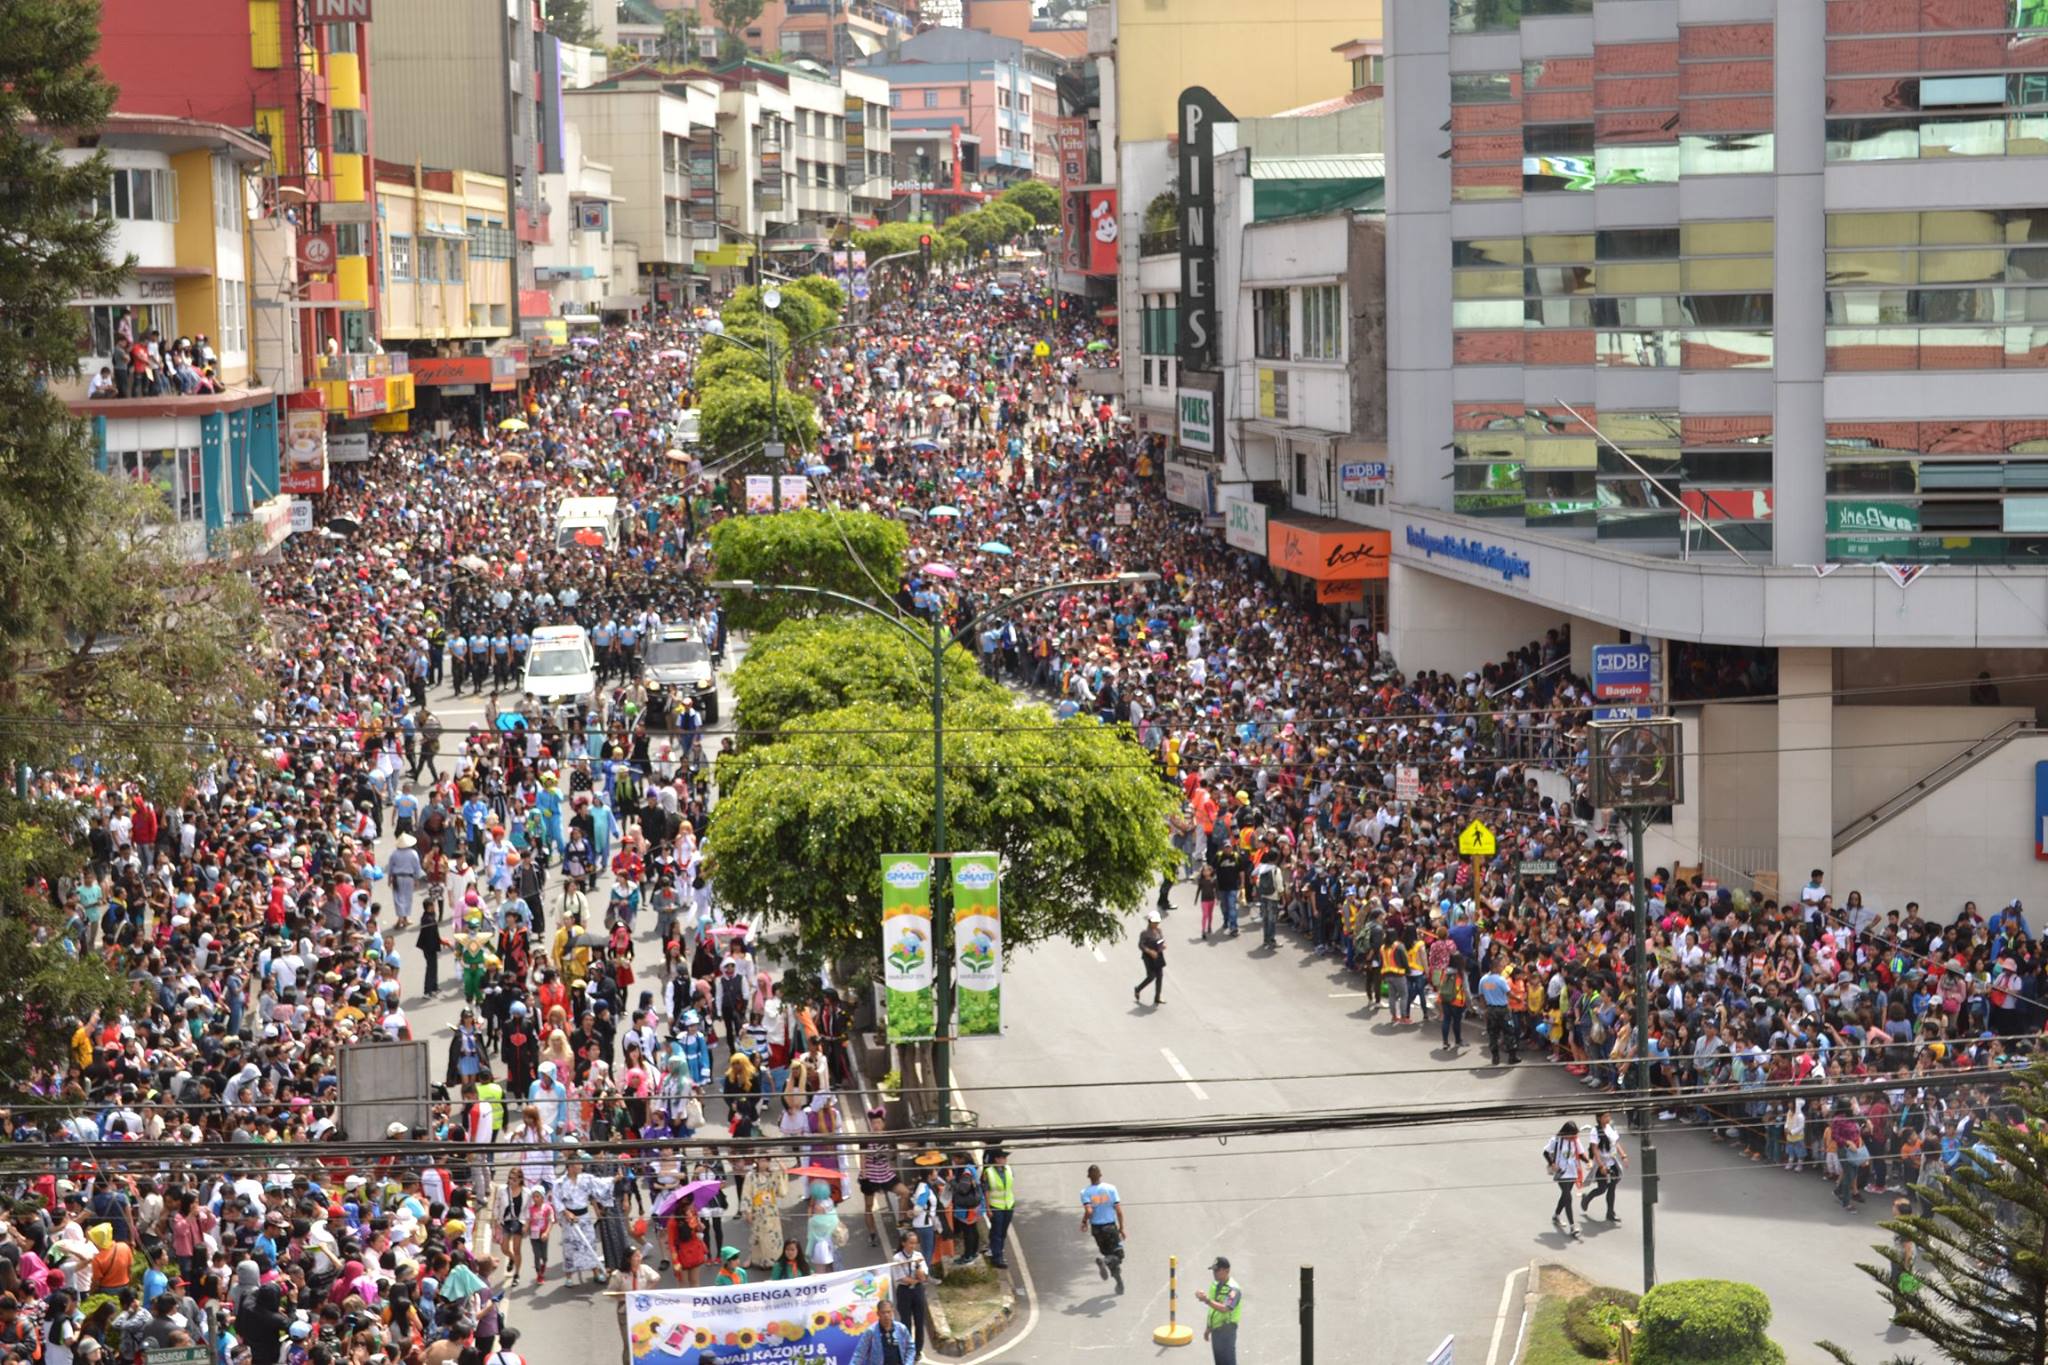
(1360, 166)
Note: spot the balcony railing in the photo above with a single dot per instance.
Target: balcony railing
(354, 366)
(1166, 243)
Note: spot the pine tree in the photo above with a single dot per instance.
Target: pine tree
(1982, 1253)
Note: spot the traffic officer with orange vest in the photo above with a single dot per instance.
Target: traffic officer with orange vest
(1002, 1204)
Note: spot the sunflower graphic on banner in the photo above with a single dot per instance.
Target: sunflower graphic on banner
(814, 1319)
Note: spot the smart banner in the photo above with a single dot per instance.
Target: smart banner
(810, 1320)
(760, 492)
(978, 942)
(907, 947)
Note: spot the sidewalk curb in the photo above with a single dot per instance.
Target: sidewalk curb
(945, 1343)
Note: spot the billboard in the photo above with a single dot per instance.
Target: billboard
(1102, 227)
(305, 452)
(978, 942)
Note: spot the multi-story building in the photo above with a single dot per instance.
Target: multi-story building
(476, 83)
(1002, 91)
(830, 32)
(1713, 329)
(659, 136)
(868, 133)
(303, 88)
(179, 193)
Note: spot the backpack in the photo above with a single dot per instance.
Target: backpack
(1268, 880)
(966, 1191)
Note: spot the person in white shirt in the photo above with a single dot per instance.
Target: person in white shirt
(1566, 1162)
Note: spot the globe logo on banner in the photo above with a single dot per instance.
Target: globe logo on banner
(905, 876)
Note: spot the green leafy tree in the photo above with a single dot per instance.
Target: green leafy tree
(1036, 198)
(1073, 806)
(678, 43)
(738, 415)
(800, 314)
(1981, 1255)
(106, 636)
(809, 548)
(733, 17)
(723, 364)
(825, 292)
(569, 20)
(801, 668)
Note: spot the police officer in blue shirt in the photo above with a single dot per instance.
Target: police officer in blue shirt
(629, 639)
(458, 659)
(479, 661)
(601, 644)
(521, 642)
(501, 657)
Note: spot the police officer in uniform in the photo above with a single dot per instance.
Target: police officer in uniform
(437, 645)
(521, 642)
(601, 645)
(479, 660)
(501, 657)
(458, 659)
(1225, 1302)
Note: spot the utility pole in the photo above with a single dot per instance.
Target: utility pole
(1308, 1315)
(1636, 771)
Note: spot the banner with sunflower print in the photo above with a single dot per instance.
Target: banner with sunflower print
(808, 1321)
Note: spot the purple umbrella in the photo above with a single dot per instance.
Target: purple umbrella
(703, 1192)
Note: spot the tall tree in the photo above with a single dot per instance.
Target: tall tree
(1981, 1255)
(678, 45)
(1036, 198)
(733, 17)
(106, 636)
(1074, 807)
(569, 20)
(803, 667)
(807, 548)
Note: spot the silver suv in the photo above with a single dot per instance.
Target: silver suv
(678, 664)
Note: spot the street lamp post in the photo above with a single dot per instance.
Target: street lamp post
(941, 640)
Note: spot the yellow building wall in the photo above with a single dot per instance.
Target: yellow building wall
(344, 81)
(192, 237)
(1257, 58)
(346, 175)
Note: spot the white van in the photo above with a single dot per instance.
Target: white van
(588, 521)
(561, 667)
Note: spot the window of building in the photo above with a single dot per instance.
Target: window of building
(931, 99)
(895, 99)
(457, 268)
(429, 249)
(96, 334)
(227, 195)
(1322, 322)
(351, 132)
(489, 241)
(1270, 323)
(965, 97)
(174, 473)
(139, 195)
(1300, 472)
(349, 239)
(234, 316)
(1367, 71)
(400, 268)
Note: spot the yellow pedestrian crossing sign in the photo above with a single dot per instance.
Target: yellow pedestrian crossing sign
(1475, 841)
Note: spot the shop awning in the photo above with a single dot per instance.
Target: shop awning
(1327, 549)
(1303, 186)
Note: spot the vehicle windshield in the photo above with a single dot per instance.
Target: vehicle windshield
(556, 663)
(677, 652)
(592, 536)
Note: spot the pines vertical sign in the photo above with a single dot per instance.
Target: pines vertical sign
(978, 942)
(907, 973)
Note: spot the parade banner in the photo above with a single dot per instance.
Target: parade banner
(907, 970)
(760, 492)
(978, 942)
(813, 1319)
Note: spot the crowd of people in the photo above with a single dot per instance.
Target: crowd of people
(354, 839)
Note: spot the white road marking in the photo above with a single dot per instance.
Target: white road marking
(1500, 1320)
(1188, 1077)
(1351, 995)
(1098, 955)
(1015, 1249)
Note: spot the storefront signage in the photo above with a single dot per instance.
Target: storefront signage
(305, 452)
(341, 11)
(1273, 394)
(1200, 324)
(1330, 591)
(1102, 233)
(1480, 555)
(1244, 523)
(348, 447)
(1321, 554)
(1187, 486)
(1361, 474)
(1198, 420)
(1623, 672)
(1868, 517)
(302, 514)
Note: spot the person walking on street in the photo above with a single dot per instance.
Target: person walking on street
(1567, 1165)
(1002, 1206)
(1152, 949)
(1102, 1217)
(888, 1342)
(1495, 993)
(1608, 1158)
(1451, 1000)
(1225, 1302)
